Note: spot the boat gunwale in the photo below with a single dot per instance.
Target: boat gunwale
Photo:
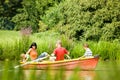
(59, 62)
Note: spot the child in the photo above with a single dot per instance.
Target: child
(88, 52)
(24, 57)
(52, 57)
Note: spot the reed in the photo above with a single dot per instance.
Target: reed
(107, 50)
(14, 44)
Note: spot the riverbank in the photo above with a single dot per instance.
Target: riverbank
(12, 44)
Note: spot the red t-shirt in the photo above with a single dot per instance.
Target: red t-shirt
(59, 53)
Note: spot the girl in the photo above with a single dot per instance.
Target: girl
(32, 51)
(33, 54)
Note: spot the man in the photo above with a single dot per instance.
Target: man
(60, 51)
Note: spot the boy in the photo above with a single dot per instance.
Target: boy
(88, 52)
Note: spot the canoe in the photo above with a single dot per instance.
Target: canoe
(82, 64)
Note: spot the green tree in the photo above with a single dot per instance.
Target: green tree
(27, 16)
(31, 13)
(8, 9)
(85, 19)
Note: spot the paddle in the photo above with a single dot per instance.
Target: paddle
(68, 56)
(37, 60)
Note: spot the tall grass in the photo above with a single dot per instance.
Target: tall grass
(107, 50)
(12, 44)
(45, 41)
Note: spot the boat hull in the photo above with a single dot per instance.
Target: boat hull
(82, 64)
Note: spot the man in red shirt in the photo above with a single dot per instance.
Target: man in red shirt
(60, 51)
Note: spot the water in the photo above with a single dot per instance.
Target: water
(67, 75)
(104, 71)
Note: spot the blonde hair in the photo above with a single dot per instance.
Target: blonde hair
(22, 55)
(59, 42)
(86, 45)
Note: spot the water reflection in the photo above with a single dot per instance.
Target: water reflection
(87, 75)
(104, 71)
(82, 75)
(64, 75)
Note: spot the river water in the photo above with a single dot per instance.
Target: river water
(104, 71)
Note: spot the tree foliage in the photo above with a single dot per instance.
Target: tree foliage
(86, 19)
(23, 13)
(31, 13)
(8, 8)
(77, 19)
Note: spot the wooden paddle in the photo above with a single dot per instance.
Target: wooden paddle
(37, 60)
(68, 56)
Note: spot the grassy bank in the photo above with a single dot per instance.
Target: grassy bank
(12, 44)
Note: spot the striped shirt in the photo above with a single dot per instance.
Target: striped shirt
(88, 53)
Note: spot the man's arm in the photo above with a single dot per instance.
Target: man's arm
(67, 55)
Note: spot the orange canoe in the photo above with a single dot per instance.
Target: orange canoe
(82, 64)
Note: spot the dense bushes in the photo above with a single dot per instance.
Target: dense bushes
(86, 19)
(8, 9)
(5, 23)
(23, 13)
